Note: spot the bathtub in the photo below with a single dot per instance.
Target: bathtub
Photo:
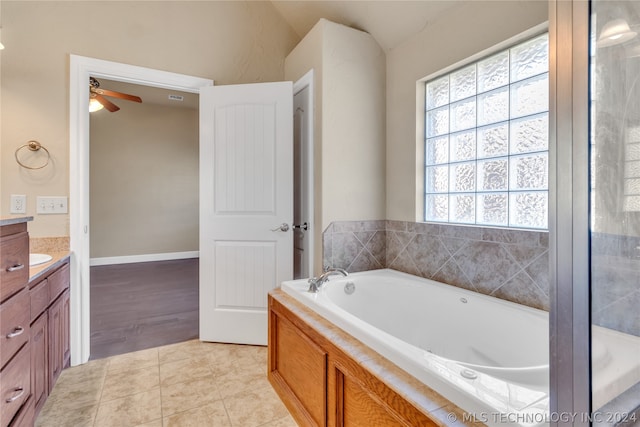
(488, 356)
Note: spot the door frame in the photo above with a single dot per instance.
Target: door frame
(79, 228)
(306, 81)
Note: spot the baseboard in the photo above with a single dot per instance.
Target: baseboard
(93, 262)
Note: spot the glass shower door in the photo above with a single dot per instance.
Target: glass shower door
(615, 211)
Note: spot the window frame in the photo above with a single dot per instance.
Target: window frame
(421, 131)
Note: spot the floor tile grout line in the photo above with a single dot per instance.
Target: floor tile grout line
(104, 380)
(226, 410)
(160, 385)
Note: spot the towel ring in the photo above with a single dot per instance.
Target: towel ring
(33, 146)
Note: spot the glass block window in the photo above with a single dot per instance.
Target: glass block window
(487, 140)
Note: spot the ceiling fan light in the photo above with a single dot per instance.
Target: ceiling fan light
(615, 32)
(94, 105)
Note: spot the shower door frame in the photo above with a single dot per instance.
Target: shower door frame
(570, 322)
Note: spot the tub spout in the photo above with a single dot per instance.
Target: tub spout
(316, 283)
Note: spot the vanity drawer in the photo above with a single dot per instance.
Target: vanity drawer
(14, 325)
(14, 271)
(39, 296)
(15, 385)
(58, 282)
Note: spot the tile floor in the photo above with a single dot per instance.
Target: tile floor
(186, 384)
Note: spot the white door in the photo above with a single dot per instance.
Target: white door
(246, 207)
(301, 164)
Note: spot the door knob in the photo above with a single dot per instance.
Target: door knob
(282, 227)
(304, 226)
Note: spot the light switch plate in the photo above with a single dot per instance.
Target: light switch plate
(51, 205)
(18, 204)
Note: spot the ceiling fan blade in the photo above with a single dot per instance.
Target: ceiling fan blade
(120, 95)
(106, 103)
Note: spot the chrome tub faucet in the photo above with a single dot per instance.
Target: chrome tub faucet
(315, 283)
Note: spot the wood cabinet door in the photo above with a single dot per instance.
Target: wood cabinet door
(357, 406)
(39, 361)
(56, 326)
(66, 329)
(298, 367)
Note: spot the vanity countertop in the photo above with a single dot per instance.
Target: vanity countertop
(38, 271)
(14, 220)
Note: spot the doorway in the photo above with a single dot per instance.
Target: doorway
(81, 68)
(303, 232)
(144, 219)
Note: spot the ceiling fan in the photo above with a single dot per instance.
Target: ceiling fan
(97, 97)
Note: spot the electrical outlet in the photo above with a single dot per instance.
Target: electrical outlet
(18, 204)
(51, 205)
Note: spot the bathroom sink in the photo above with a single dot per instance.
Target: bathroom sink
(35, 259)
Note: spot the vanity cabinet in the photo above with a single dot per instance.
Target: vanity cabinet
(15, 351)
(34, 328)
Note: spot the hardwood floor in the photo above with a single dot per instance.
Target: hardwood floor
(143, 305)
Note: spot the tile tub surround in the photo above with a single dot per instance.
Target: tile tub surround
(187, 384)
(507, 264)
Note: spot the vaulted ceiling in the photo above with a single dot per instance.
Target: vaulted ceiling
(390, 22)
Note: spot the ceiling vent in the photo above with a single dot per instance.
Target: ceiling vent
(176, 98)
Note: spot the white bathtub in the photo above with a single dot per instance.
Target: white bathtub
(486, 355)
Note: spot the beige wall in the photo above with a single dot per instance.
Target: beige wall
(144, 180)
(230, 42)
(462, 32)
(353, 126)
(349, 135)
(237, 42)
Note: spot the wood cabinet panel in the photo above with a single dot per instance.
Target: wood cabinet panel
(66, 329)
(358, 407)
(14, 326)
(302, 367)
(39, 361)
(15, 385)
(14, 264)
(55, 325)
(59, 353)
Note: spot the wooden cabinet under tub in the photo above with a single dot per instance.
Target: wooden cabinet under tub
(327, 380)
